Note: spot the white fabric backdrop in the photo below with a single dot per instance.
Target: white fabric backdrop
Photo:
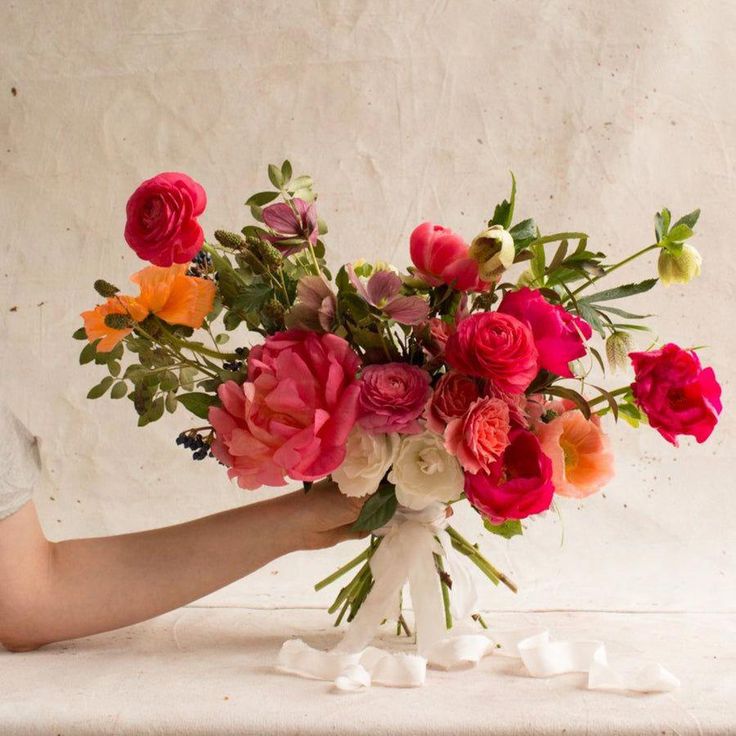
(402, 111)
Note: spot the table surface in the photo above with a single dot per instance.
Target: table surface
(206, 670)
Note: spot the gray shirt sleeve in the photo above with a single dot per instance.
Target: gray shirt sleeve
(20, 465)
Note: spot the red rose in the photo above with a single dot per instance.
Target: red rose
(518, 485)
(162, 227)
(559, 336)
(676, 393)
(494, 346)
(452, 396)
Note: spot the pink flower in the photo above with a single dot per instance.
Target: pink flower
(518, 404)
(441, 257)
(392, 397)
(383, 291)
(518, 485)
(292, 416)
(451, 398)
(676, 393)
(162, 222)
(287, 225)
(580, 451)
(559, 336)
(494, 346)
(315, 307)
(479, 437)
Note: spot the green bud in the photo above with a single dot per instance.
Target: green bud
(103, 288)
(272, 313)
(679, 265)
(526, 278)
(268, 255)
(229, 240)
(618, 347)
(118, 321)
(494, 251)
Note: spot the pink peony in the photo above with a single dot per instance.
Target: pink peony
(479, 437)
(676, 393)
(287, 224)
(559, 336)
(392, 397)
(162, 222)
(451, 398)
(518, 485)
(441, 257)
(494, 346)
(292, 416)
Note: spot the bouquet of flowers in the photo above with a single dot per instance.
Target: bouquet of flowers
(445, 382)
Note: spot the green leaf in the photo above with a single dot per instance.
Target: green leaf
(508, 529)
(523, 233)
(156, 410)
(662, 223)
(222, 338)
(251, 297)
(114, 367)
(80, 334)
(169, 381)
(187, 376)
(197, 403)
(171, 402)
(567, 393)
(591, 316)
(89, 352)
(620, 292)
(119, 390)
(538, 262)
(275, 176)
(680, 233)
(622, 313)
(690, 219)
(377, 510)
(610, 399)
(101, 388)
(504, 212)
(260, 199)
(286, 172)
(301, 182)
(559, 256)
(631, 414)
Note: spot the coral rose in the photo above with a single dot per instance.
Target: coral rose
(392, 397)
(479, 437)
(293, 415)
(442, 257)
(559, 336)
(494, 346)
(580, 451)
(162, 216)
(677, 394)
(451, 398)
(518, 485)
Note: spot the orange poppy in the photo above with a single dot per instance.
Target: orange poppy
(94, 321)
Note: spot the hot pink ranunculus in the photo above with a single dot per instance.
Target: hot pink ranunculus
(559, 336)
(291, 418)
(287, 224)
(451, 398)
(441, 257)
(479, 437)
(392, 397)
(494, 346)
(161, 224)
(518, 485)
(677, 394)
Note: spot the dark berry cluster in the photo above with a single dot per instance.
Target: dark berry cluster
(194, 441)
(201, 265)
(236, 365)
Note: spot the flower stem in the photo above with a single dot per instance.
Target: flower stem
(345, 568)
(445, 590)
(617, 392)
(473, 553)
(615, 267)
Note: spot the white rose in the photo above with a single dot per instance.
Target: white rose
(367, 458)
(424, 472)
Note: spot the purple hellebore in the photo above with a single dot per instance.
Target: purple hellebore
(285, 223)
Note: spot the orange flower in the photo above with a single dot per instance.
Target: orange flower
(94, 321)
(580, 452)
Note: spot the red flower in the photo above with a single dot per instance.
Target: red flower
(559, 336)
(518, 485)
(677, 394)
(452, 397)
(162, 222)
(494, 346)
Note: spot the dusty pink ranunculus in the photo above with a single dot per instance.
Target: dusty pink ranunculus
(451, 398)
(494, 346)
(677, 394)
(161, 224)
(442, 257)
(286, 224)
(559, 336)
(518, 485)
(392, 397)
(479, 437)
(291, 418)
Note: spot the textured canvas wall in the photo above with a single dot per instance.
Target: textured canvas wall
(402, 111)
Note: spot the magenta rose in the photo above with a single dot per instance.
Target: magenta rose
(451, 398)
(559, 336)
(479, 437)
(518, 485)
(392, 397)
(441, 257)
(287, 224)
(291, 418)
(494, 346)
(677, 394)
(161, 224)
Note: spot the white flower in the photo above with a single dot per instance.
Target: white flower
(424, 472)
(494, 251)
(367, 458)
(679, 266)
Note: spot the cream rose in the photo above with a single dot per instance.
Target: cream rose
(424, 472)
(367, 458)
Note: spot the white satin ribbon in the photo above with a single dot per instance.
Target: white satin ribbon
(406, 555)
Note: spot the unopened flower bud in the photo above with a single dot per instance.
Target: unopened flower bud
(526, 278)
(494, 251)
(268, 255)
(272, 313)
(118, 321)
(103, 288)
(679, 266)
(618, 347)
(230, 240)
